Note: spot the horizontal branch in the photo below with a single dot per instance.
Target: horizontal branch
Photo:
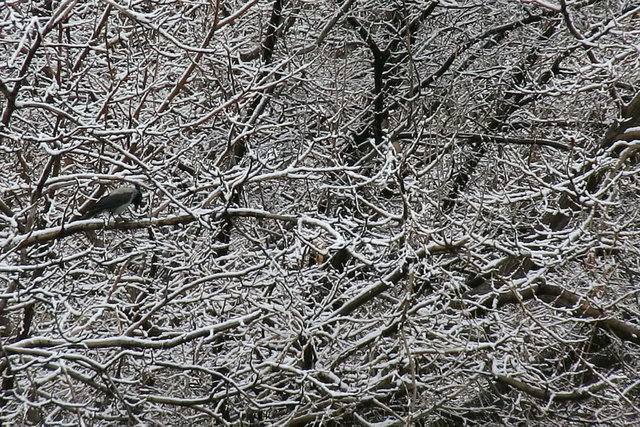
(513, 140)
(130, 342)
(485, 137)
(546, 394)
(65, 230)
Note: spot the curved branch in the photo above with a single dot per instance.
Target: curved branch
(562, 298)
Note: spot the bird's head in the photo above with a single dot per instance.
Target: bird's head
(137, 198)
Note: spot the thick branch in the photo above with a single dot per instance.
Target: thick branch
(59, 232)
(560, 297)
(545, 394)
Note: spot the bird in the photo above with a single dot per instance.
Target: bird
(117, 201)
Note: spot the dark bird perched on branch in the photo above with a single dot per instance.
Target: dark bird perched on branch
(117, 201)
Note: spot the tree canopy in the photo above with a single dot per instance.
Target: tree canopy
(354, 212)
